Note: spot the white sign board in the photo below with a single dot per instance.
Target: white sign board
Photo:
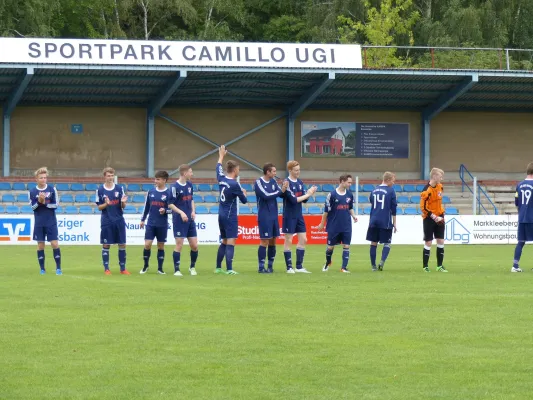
(179, 54)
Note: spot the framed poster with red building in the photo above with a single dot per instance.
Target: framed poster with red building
(328, 139)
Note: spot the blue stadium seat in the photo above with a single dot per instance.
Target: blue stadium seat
(279, 200)
(129, 209)
(352, 188)
(254, 210)
(318, 186)
(366, 210)
(31, 185)
(328, 187)
(305, 210)
(8, 198)
(77, 187)
(213, 210)
(410, 211)
(140, 210)
(26, 209)
(138, 198)
(5, 186)
(252, 198)
(202, 210)
(403, 199)
(414, 200)
(320, 199)
(63, 187)
(134, 187)
(409, 188)
(311, 200)
(446, 200)
(452, 211)
(315, 210)
(19, 186)
(67, 198)
(399, 211)
(92, 187)
(197, 198)
(23, 198)
(210, 199)
(12, 209)
(2, 209)
(398, 188)
(147, 186)
(419, 188)
(71, 209)
(246, 186)
(60, 210)
(81, 198)
(363, 199)
(86, 210)
(368, 187)
(245, 210)
(204, 187)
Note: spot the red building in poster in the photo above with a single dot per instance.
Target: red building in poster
(324, 141)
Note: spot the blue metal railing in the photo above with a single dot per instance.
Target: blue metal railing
(464, 171)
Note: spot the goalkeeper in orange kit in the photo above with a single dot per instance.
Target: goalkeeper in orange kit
(433, 215)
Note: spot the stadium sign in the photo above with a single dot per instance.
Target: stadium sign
(179, 54)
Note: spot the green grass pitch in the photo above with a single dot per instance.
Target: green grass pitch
(396, 334)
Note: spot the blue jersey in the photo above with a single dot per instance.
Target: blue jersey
(229, 191)
(182, 198)
(113, 212)
(155, 200)
(291, 208)
(267, 193)
(338, 207)
(524, 202)
(383, 206)
(45, 214)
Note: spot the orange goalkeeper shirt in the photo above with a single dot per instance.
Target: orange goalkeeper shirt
(431, 200)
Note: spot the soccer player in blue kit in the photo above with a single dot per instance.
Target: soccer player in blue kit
(524, 191)
(293, 220)
(183, 219)
(44, 201)
(111, 200)
(156, 208)
(382, 222)
(338, 215)
(229, 191)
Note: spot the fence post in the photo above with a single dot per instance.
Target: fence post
(507, 59)
(432, 51)
(474, 201)
(357, 195)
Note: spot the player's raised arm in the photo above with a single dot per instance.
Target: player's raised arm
(34, 201)
(146, 208)
(54, 199)
(101, 200)
(239, 192)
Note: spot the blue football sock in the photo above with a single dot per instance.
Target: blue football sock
(345, 258)
(160, 259)
(146, 257)
(57, 257)
(518, 253)
(105, 258)
(288, 258)
(271, 256)
(122, 259)
(373, 251)
(385, 253)
(300, 253)
(230, 250)
(329, 253)
(261, 255)
(221, 254)
(176, 257)
(40, 258)
(194, 257)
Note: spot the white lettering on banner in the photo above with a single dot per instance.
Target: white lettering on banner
(85, 230)
(177, 53)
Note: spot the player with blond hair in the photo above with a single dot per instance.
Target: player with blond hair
(44, 200)
(433, 215)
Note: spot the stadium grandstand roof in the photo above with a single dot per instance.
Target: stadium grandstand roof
(60, 81)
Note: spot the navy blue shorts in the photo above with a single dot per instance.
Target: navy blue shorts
(229, 229)
(335, 238)
(45, 233)
(159, 232)
(294, 225)
(268, 229)
(184, 229)
(379, 235)
(525, 232)
(114, 233)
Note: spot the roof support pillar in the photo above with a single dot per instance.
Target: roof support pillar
(150, 145)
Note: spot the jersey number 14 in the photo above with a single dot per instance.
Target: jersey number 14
(379, 198)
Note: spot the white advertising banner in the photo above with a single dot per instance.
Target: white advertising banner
(85, 229)
(179, 53)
